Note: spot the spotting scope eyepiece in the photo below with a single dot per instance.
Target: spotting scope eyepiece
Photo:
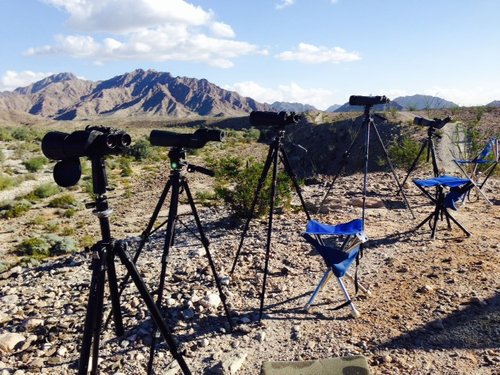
(434, 123)
(262, 119)
(368, 100)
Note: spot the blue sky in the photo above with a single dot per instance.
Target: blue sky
(312, 51)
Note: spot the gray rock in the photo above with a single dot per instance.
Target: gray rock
(8, 341)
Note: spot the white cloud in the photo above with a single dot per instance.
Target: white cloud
(284, 4)
(153, 30)
(311, 54)
(12, 79)
(127, 15)
(292, 92)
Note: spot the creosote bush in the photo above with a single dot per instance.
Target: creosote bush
(236, 182)
(404, 152)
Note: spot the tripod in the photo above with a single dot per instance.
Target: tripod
(367, 125)
(177, 183)
(103, 253)
(431, 154)
(276, 151)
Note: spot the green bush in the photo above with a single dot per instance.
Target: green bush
(236, 186)
(125, 166)
(46, 190)
(63, 201)
(46, 245)
(11, 209)
(26, 134)
(2, 156)
(142, 150)
(6, 134)
(35, 164)
(6, 182)
(403, 153)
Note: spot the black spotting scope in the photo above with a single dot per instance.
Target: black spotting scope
(368, 100)
(434, 123)
(197, 139)
(261, 119)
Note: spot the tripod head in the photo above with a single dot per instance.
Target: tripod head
(177, 156)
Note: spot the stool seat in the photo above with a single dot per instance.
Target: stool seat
(357, 365)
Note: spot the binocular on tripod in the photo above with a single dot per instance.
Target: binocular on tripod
(94, 142)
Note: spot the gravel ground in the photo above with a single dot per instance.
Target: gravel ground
(433, 308)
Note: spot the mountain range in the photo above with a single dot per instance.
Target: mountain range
(66, 97)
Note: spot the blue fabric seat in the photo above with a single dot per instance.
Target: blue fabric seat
(443, 198)
(339, 256)
(482, 167)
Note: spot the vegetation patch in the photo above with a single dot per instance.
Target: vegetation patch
(12, 209)
(35, 164)
(63, 201)
(46, 245)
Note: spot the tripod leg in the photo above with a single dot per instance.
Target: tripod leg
(341, 165)
(260, 184)
(435, 168)
(115, 296)
(269, 231)
(414, 164)
(120, 248)
(205, 243)
(289, 172)
(169, 235)
(95, 303)
(392, 169)
(145, 236)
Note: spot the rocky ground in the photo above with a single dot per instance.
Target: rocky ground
(433, 308)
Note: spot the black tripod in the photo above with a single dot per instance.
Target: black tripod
(431, 154)
(103, 253)
(276, 151)
(178, 183)
(367, 125)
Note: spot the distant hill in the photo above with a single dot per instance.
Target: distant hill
(419, 102)
(332, 108)
(139, 93)
(292, 107)
(494, 103)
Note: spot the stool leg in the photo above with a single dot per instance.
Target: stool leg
(361, 287)
(327, 275)
(355, 313)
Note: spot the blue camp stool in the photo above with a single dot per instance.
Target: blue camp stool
(444, 199)
(338, 258)
(488, 159)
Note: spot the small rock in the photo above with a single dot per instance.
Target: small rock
(8, 341)
(211, 301)
(188, 314)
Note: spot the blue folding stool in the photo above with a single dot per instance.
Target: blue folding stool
(483, 159)
(443, 199)
(338, 259)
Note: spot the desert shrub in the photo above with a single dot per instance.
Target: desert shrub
(46, 190)
(26, 134)
(2, 156)
(7, 182)
(142, 150)
(63, 201)
(11, 209)
(125, 166)
(404, 152)
(6, 134)
(235, 184)
(69, 213)
(46, 245)
(35, 164)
